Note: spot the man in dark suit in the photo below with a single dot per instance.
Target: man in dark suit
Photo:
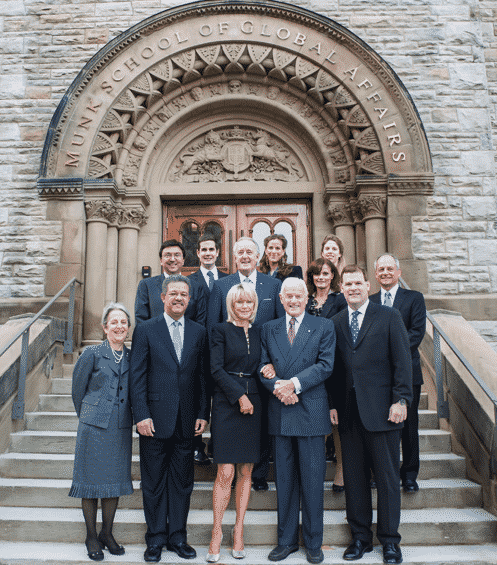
(267, 288)
(148, 303)
(371, 388)
(207, 253)
(411, 306)
(169, 401)
(297, 357)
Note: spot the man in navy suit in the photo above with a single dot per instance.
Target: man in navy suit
(207, 253)
(148, 303)
(371, 388)
(169, 401)
(267, 288)
(297, 357)
(411, 306)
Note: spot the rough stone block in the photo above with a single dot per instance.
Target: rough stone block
(473, 288)
(439, 115)
(12, 86)
(482, 252)
(13, 8)
(472, 119)
(479, 208)
(463, 33)
(38, 92)
(465, 76)
(99, 35)
(33, 134)
(9, 132)
(13, 45)
(111, 9)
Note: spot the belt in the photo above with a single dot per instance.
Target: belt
(240, 374)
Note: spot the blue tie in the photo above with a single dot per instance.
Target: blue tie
(354, 326)
(388, 300)
(176, 337)
(210, 276)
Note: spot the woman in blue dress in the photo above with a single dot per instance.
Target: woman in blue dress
(102, 462)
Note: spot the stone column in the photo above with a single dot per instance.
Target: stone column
(131, 221)
(360, 234)
(97, 212)
(340, 214)
(112, 246)
(373, 208)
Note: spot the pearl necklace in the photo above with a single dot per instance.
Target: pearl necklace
(117, 357)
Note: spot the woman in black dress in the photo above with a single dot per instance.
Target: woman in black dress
(273, 261)
(236, 411)
(326, 300)
(102, 461)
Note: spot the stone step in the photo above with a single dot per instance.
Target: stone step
(60, 466)
(55, 403)
(61, 386)
(68, 421)
(52, 493)
(14, 553)
(438, 526)
(423, 401)
(42, 441)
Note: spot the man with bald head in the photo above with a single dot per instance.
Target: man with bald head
(297, 357)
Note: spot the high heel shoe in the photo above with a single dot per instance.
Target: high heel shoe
(112, 545)
(236, 554)
(96, 555)
(214, 557)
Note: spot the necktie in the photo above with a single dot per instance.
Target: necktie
(354, 325)
(247, 280)
(388, 299)
(178, 346)
(291, 331)
(210, 276)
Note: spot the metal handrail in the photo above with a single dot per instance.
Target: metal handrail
(18, 406)
(442, 404)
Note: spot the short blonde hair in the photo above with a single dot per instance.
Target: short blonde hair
(236, 292)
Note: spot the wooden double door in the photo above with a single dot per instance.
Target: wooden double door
(187, 222)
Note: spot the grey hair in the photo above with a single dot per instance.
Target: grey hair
(234, 293)
(293, 282)
(386, 255)
(176, 278)
(242, 239)
(114, 306)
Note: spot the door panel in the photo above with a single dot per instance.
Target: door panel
(228, 222)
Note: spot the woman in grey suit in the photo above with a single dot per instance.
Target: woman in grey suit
(102, 462)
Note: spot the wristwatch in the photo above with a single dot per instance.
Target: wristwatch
(402, 402)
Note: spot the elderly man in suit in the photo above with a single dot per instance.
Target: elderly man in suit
(169, 401)
(207, 253)
(297, 358)
(411, 306)
(267, 288)
(148, 303)
(371, 388)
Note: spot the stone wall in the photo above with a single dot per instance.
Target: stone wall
(445, 52)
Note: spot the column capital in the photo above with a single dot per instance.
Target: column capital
(99, 211)
(356, 211)
(340, 214)
(372, 206)
(132, 218)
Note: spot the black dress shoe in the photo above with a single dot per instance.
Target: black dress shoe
(410, 485)
(94, 550)
(314, 555)
(182, 549)
(357, 549)
(260, 484)
(153, 553)
(392, 553)
(337, 488)
(200, 458)
(281, 552)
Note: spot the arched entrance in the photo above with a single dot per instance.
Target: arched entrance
(221, 102)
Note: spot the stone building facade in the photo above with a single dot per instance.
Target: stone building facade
(381, 119)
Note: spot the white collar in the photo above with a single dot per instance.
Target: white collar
(169, 320)
(362, 309)
(252, 277)
(204, 271)
(392, 291)
(298, 320)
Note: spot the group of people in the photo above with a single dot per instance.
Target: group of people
(279, 363)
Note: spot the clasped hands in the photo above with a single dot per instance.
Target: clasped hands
(146, 427)
(284, 389)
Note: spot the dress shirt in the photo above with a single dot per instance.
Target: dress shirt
(204, 272)
(252, 277)
(169, 322)
(298, 321)
(392, 291)
(361, 310)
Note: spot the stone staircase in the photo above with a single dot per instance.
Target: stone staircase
(442, 523)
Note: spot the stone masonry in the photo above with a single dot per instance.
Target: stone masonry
(444, 51)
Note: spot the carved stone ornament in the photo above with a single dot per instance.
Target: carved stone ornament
(115, 213)
(100, 210)
(355, 210)
(133, 217)
(340, 214)
(236, 154)
(373, 206)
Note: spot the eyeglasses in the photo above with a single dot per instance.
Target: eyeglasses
(172, 256)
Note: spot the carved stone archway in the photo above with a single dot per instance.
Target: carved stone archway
(270, 98)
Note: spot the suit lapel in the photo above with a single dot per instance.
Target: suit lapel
(399, 298)
(187, 343)
(281, 337)
(107, 354)
(344, 324)
(163, 332)
(368, 320)
(301, 339)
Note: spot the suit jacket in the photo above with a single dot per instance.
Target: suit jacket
(310, 359)
(411, 305)
(198, 278)
(148, 303)
(334, 304)
(267, 289)
(161, 386)
(295, 272)
(378, 366)
(94, 387)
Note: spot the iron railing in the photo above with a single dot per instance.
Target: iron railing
(442, 403)
(18, 406)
